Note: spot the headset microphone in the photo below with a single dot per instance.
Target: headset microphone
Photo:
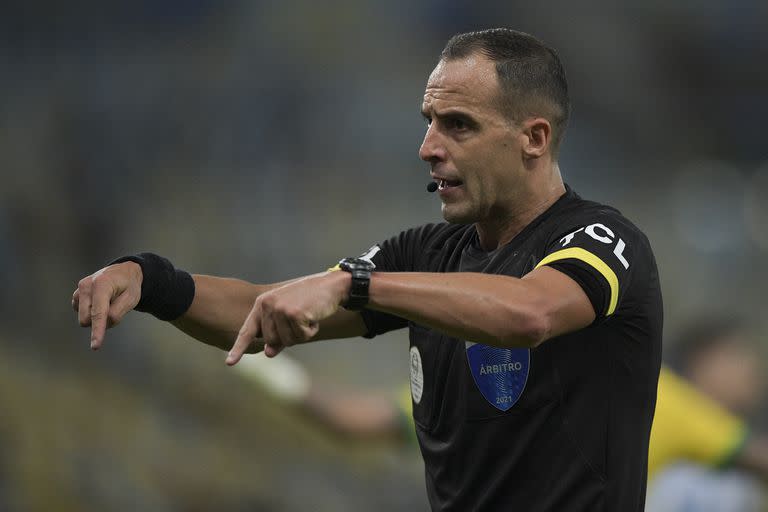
(432, 186)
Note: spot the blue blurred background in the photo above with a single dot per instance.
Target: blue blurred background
(266, 140)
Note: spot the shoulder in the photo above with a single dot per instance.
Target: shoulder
(598, 227)
(586, 239)
(597, 219)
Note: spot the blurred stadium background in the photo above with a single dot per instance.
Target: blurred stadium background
(267, 140)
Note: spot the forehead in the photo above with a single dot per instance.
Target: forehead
(468, 81)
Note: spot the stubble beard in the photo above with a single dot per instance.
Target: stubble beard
(458, 214)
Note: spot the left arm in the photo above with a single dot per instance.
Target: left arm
(495, 310)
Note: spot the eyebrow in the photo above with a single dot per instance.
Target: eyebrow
(448, 112)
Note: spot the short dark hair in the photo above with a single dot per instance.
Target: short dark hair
(531, 75)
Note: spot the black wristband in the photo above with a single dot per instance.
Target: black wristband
(166, 292)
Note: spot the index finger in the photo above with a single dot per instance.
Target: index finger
(250, 330)
(100, 297)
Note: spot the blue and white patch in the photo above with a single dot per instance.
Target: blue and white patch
(500, 373)
(417, 375)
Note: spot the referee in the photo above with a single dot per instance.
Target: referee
(534, 315)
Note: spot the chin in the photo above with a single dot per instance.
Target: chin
(454, 215)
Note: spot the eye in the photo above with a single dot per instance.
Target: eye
(457, 124)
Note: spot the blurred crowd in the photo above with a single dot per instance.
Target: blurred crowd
(267, 140)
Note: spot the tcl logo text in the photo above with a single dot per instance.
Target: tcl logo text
(601, 233)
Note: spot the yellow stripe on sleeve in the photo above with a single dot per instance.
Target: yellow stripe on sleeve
(590, 259)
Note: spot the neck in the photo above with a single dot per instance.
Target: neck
(503, 226)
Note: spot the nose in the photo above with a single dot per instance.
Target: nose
(432, 149)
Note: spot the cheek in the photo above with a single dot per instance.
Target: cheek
(479, 188)
(489, 172)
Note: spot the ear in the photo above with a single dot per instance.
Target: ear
(536, 137)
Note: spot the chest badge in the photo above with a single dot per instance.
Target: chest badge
(500, 373)
(417, 375)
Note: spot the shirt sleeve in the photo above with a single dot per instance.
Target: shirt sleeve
(600, 251)
(689, 426)
(397, 254)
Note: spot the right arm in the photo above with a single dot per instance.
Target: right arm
(218, 310)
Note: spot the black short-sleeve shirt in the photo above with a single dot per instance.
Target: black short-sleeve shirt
(561, 427)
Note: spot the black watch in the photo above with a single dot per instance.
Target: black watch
(361, 278)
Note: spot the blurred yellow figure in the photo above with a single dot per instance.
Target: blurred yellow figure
(692, 427)
(702, 456)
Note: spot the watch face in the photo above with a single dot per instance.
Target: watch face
(356, 264)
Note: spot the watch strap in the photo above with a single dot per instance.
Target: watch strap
(361, 271)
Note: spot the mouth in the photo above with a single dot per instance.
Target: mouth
(445, 184)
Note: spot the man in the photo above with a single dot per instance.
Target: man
(534, 316)
(703, 457)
